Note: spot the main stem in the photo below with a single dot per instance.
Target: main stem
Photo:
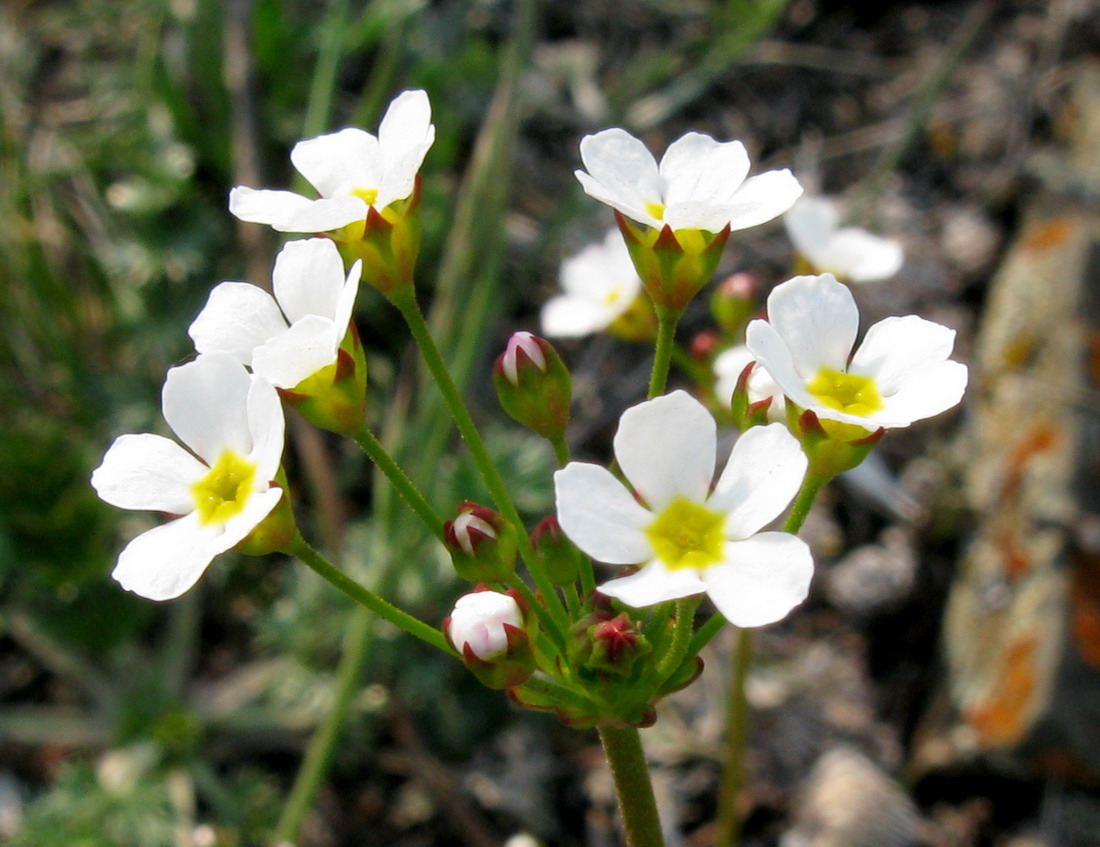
(737, 719)
(623, 748)
(368, 599)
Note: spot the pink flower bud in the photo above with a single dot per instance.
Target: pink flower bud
(488, 629)
(523, 349)
(482, 544)
(533, 384)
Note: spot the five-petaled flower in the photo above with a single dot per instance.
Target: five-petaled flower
(900, 373)
(233, 424)
(849, 252)
(699, 184)
(599, 283)
(351, 169)
(296, 333)
(688, 536)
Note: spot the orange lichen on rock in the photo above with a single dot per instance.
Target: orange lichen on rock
(1006, 715)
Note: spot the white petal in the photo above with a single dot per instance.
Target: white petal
(922, 395)
(236, 319)
(762, 578)
(405, 136)
(896, 347)
(817, 318)
(621, 173)
(860, 256)
(266, 426)
(204, 402)
(345, 303)
(760, 199)
(666, 448)
(301, 351)
(338, 162)
(600, 516)
(308, 278)
(264, 206)
(728, 367)
(698, 169)
(772, 353)
(764, 472)
(810, 224)
(324, 215)
(167, 560)
(566, 316)
(654, 583)
(148, 472)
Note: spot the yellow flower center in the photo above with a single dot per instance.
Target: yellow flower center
(222, 493)
(848, 393)
(655, 210)
(367, 195)
(687, 535)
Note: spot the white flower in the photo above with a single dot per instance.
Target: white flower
(687, 537)
(700, 183)
(728, 366)
(480, 620)
(853, 254)
(294, 334)
(351, 170)
(600, 284)
(899, 374)
(233, 424)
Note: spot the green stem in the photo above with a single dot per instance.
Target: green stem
(737, 714)
(368, 599)
(405, 301)
(404, 486)
(561, 451)
(667, 319)
(802, 503)
(315, 764)
(681, 636)
(623, 748)
(588, 575)
(704, 634)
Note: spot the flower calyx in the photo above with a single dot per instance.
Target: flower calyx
(533, 385)
(334, 398)
(746, 412)
(673, 264)
(482, 544)
(387, 242)
(831, 446)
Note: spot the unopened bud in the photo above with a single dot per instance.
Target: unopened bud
(488, 630)
(558, 555)
(482, 544)
(734, 303)
(533, 384)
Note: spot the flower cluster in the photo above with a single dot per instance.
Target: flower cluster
(540, 622)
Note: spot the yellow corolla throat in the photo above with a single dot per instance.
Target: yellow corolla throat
(848, 393)
(223, 492)
(655, 210)
(687, 535)
(367, 195)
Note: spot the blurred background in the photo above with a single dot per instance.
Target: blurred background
(942, 684)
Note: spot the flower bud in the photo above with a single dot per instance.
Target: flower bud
(734, 303)
(482, 544)
(334, 397)
(616, 644)
(487, 628)
(533, 385)
(558, 555)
